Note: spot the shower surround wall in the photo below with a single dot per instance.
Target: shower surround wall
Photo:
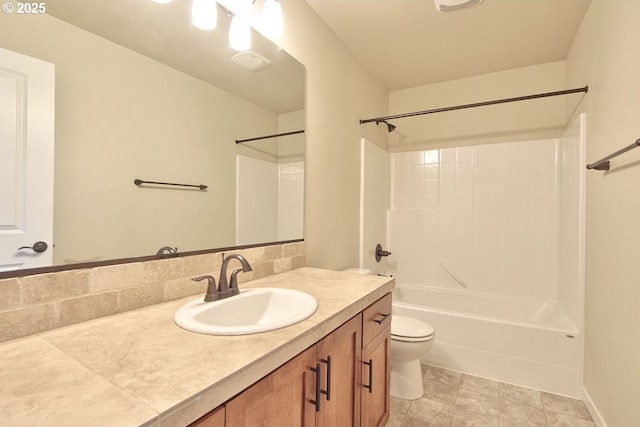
(488, 247)
(485, 217)
(270, 201)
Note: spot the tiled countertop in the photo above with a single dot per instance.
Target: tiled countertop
(139, 368)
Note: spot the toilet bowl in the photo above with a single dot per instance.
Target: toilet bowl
(410, 340)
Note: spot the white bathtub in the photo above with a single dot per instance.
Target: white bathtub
(519, 341)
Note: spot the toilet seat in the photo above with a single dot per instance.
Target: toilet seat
(408, 329)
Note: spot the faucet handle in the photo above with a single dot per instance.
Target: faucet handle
(212, 291)
(234, 281)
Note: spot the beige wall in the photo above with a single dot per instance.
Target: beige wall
(120, 116)
(605, 55)
(339, 94)
(291, 148)
(518, 121)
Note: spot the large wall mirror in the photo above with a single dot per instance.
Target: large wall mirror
(142, 94)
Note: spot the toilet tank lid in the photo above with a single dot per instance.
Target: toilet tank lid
(409, 327)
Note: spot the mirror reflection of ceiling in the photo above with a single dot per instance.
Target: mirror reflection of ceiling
(120, 116)
(165, 33)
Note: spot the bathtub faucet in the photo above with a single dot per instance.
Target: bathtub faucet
(380, 252)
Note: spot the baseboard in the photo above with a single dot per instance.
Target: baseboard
(593, 410)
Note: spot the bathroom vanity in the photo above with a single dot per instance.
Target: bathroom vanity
(343, 380)
(139, 368)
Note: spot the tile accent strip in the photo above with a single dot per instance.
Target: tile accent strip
(33, 304)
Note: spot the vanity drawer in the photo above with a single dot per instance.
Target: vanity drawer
(376, 318)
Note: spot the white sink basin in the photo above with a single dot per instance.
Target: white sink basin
(253, 310)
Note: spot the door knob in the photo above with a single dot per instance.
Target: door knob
(37, 247)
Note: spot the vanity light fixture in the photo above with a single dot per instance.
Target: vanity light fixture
(244, 6)
(272, 20)
(239, 35)
(204, 14)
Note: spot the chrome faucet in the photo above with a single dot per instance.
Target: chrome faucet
(224, 289)
(232, 288)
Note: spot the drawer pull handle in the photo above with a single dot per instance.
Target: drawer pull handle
(318, 371)
(370, 386)
(327, 392)
(382, 318)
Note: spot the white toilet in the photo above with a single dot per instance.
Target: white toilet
(410, 340)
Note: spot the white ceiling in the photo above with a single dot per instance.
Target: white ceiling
(408, 43)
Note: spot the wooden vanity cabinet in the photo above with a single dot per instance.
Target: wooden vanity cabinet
(376, 377)
(376, 363)
(340, 353)
(319, 387)
(278, 398)
(215, 418)
(324, 386)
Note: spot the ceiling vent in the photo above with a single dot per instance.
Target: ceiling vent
(251, 61)
(449, 5)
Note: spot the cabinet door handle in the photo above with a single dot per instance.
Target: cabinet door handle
(327, 392)
(370, 386)
(382, 318)
(318, 371)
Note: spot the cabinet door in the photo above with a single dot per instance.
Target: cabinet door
(339, 355)
(376, 318)
(214, 418)
(279, 399)
(376, 376)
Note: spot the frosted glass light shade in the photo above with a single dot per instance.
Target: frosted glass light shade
(244, 6)
(239, 35)
(272, 21)
(162, 1)
(204, 14)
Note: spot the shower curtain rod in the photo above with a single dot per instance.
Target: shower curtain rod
(477, 104)
(275, 135)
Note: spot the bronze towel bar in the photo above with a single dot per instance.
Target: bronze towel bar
(140, 182)
(603, 164)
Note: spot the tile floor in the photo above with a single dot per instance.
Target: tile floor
(452, 399)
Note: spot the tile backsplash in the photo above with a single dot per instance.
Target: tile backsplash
(37, 303)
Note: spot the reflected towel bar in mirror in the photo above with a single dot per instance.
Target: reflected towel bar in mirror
(140, 182)
(603, 164)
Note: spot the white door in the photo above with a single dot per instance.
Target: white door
(26, 161)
